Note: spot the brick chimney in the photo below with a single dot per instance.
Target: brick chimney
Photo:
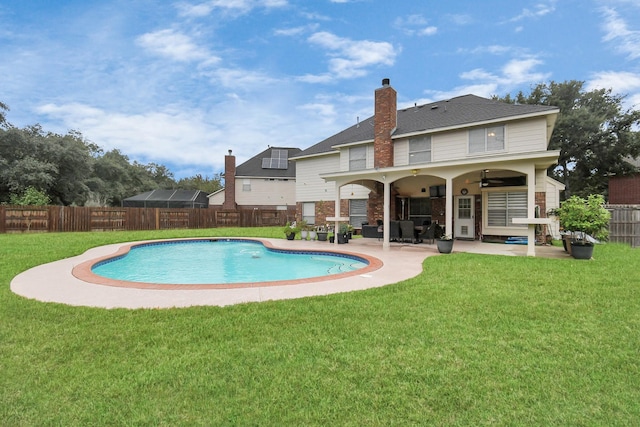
(229, 182)
(384, 124)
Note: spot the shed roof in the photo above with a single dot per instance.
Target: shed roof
(167, 195)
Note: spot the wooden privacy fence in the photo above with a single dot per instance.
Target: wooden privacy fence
(624, 226)
(21, 219)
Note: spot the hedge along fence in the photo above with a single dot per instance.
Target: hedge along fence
(624, 226)
(32, 219)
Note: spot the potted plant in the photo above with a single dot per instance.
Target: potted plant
(322, 233)
(343, 234)
(445, 244)
(349, 231)
(304, 230)
(585, 219)
(290, 230)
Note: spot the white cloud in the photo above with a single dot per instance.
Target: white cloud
(174, 135)
(350, 58)
(539, 10)
(514, 73)
(415, 25)
(237, 7)
(295, 31)
(428, 31)
(620, 82)
(626, 41)
(518, 71)
(175, 45)
(460, 19)
(242, 79)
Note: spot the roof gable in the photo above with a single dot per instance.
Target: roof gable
(461, 111)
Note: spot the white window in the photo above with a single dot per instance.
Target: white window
(309, 212)
(486, 139)
(420, 150)
(503, 207)
(357, 158)
(357, 212)
(246, 185)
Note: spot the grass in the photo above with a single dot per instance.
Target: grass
(473, 340)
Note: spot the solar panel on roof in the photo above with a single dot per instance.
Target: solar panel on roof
(279, 160)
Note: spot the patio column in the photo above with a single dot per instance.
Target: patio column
(386, 212)
(531, 192)
(336, 216)
(449, 208)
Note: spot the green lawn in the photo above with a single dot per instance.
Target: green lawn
(474, 340)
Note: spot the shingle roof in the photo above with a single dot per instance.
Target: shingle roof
(253, 166)
(455, 112)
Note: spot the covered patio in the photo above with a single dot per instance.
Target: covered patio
(471, 179)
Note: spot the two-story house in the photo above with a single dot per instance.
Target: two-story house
(265, 181)
(472, 164)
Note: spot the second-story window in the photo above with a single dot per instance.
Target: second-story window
(357, 158)
(486, 139)
(420, 150)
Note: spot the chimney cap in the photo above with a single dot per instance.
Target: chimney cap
(230, 152)
(385, 82)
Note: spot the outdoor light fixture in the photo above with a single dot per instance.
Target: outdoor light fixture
(414, 172)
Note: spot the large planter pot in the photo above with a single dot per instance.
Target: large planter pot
(566, 243)
(445, 246)
(342, 238)
(304, 234)
(322, 236)
(291, 236)
(312, 235)
(581, 251)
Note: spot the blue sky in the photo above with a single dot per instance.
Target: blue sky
(180, 83)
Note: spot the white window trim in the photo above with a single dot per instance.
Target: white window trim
(507, 226)
(360, 159)
(486, 151)
(430, 150)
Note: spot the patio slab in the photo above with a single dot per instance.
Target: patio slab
(54, 282)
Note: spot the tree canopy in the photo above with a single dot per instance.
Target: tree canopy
(70, 170)
(596, 136)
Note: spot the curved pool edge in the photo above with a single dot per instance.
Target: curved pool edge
(85, 273)
(54, 283)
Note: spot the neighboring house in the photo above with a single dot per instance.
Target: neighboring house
(471, 164)
(266, 181)
(168, 199)
(625, 190)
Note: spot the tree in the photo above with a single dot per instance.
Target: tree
(198, 182)
(30, 197)
(3, 115)
(593, 132)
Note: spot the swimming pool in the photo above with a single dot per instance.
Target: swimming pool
(220, 263)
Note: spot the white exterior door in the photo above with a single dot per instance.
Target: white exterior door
(464, 218)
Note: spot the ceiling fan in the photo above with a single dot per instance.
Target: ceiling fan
(484, 181)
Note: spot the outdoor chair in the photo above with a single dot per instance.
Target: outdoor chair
(407, 231)
(394, 230)
(427, 233)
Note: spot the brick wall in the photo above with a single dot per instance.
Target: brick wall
(324, 209)
(624, 190)
(438, 209)
(384, 122)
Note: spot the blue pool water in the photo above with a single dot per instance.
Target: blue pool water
(221, 261)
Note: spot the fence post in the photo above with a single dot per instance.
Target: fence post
(3, 219)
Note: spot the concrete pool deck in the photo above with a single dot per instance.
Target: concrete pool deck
(54, 282)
